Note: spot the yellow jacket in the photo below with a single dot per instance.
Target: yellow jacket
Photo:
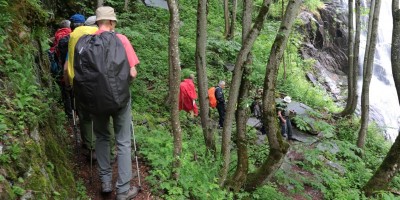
(74, 37)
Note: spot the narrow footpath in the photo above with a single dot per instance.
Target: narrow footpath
(93, 187)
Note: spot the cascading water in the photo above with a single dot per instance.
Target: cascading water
(384, 104)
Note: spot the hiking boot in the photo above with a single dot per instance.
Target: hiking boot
(130, 194)
(106, 187)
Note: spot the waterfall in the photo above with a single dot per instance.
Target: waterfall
(384, 104)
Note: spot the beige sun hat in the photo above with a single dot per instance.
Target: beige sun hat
(105, 13)
(287, 99)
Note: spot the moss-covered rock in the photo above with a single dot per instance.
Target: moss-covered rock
(34, 160)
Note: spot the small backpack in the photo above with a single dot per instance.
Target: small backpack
(101, 81)
(211, 97)
(62, 49)
(54, 65)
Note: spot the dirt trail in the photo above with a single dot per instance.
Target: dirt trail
(82, 171)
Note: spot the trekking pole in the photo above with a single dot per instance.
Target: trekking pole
(136, 159)
(91, 156)
(75, 128)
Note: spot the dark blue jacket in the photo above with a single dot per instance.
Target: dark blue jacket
(219, 95)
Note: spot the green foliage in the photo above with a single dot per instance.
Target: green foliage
(156, 146)
(302, 123)
(29, 116)
(18, 190)
(268, 191)
(257, 153)
(81, 190)
(385, 195)
(313, 5)
(222, 51)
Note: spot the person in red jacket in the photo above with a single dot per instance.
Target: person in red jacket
(187, 96)
(63, 31)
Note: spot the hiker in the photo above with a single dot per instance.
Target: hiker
(107, 20)
(85, 120)
(219, 95)
(255, 108)
(57, 63)
(80, 28)
(187, 96)
(283, 116)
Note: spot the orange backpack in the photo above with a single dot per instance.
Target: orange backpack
(211, 97)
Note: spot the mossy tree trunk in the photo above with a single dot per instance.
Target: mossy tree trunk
(174, 81)
(226, 17)
(351, 86)
(235, 84)
(368, 68)
(231, 33)
(277, 148)
(391, 164)
(201, 68)
(242, 166)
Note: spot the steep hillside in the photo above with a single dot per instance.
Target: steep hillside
(34, 160)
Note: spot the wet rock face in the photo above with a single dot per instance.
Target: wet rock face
(325, 41)
(326, 37)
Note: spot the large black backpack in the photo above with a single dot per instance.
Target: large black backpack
(101, 81)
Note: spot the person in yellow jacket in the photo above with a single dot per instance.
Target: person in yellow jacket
(81, 27)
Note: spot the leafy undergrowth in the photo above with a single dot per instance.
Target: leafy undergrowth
(33, 163)
(329, 168)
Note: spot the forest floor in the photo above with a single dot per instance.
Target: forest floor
(92, 182)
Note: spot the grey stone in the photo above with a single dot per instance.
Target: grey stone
(35, 134)
(229, 66)
(331, 147)
(27, 195)
(337, 167)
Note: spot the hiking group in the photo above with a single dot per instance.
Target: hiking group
(187, 97)
(93, 66)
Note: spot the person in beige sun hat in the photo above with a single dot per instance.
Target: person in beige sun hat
(105, 13)
(106, 21)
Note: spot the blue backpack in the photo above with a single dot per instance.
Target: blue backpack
(55, 68)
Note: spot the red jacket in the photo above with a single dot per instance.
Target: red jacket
(187, 95)
(60, 33)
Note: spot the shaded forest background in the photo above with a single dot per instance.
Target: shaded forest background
(36, 163)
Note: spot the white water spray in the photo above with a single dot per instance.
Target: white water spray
(384, 104)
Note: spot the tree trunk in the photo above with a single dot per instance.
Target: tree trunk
(278, 148)
(100, 3)
(356, 65)
(226, 17)
(368, 68)
(174, 81)
(242, 166)
(391, 165)
(283, 58)
(350, 53)
(201, 63)
(235, 84)
(126, 5)
(231, 33)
